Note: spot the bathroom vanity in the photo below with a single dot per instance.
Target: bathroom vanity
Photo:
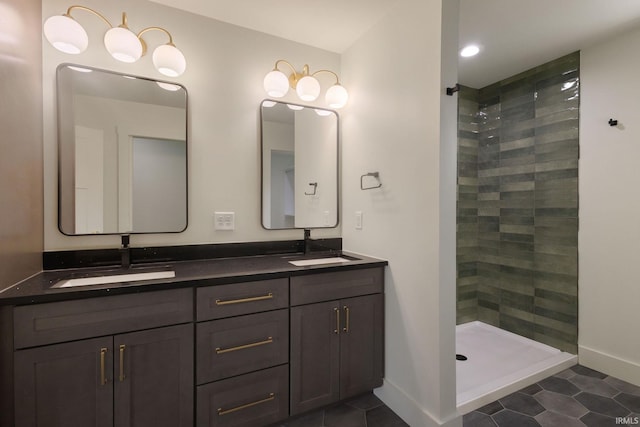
(244, 341)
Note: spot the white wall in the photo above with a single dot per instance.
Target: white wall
(393, 125)
(609, 236)
(225, 68)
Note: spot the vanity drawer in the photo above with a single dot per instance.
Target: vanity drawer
(54, 322)
(336, 285)
(251, 400)
(216, 302)
(238, 345)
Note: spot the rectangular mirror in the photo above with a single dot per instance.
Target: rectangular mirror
(299, 166)
(122, 153)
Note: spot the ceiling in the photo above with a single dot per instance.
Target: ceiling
(515, 35)
(328, 24)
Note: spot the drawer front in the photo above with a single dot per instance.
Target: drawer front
(216, 302)
(331, 286)
(49, 323)
(251, 400)
(238, 345)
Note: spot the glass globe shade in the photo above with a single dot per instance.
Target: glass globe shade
(336, 96)
(169, 61)
(295, 107)
(276, 84)
(65, 34)
(308, 88)
(322, 112)
(122, 44)
(168, 86)
(268, 104)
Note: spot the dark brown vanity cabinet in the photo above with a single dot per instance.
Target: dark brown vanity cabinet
(337, 345)
(139, 378)
(242, 354)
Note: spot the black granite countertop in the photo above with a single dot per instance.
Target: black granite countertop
(38, 288)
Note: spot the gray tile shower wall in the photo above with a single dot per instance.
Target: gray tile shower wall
(467, 206)
(526, 202)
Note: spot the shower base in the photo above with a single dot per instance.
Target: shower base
(500, 363)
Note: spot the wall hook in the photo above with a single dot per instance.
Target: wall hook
(376, 175)
(315, 187)
(613, 122)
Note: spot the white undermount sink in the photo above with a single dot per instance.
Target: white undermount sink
(114, 278)
(318, 261)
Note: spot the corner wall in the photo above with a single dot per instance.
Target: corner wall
(21, 210)
(400, 123)
(609, 237)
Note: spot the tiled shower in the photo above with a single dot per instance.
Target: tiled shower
(517, 212)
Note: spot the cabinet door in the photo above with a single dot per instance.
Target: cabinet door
(65, 385)
(315, 355)
(153, 377)
(361, 345)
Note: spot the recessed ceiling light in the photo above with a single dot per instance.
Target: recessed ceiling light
(470, 50)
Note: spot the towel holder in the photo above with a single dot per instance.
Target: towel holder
(375, 175)
(315, 188)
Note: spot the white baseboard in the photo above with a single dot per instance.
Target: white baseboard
(409, 410)
(622, 369)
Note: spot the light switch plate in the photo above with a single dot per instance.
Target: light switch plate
(358, 220)
(225, 220)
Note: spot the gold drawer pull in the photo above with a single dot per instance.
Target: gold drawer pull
(346, 327)
(247, 405)
(122, 377)
(242, 347)
(250, 299)
(103, 376)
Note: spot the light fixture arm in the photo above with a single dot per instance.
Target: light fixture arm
(330, 72)
(88, 9)
(144, 44)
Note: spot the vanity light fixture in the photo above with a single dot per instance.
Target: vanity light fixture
(67, 35)
(277, 84)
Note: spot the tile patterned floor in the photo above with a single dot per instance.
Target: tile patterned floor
(576, 397)
(363, 411)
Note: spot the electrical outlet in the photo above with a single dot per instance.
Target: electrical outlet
(358, 220)
(225, 220)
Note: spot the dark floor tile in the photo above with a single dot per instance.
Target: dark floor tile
(597, 420)
(629, 401)
(314, 419)
(561, 404)
(382, 416)
(566, 374)
(365, 402)
(509, 418)
(593, 385)
(553, 419)
(559, 385)
(532, 389)
(623, 386)
(344, 416)
(491, 408)
(602, 405)
(477, 419)
(522, 403)
(583, 370)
